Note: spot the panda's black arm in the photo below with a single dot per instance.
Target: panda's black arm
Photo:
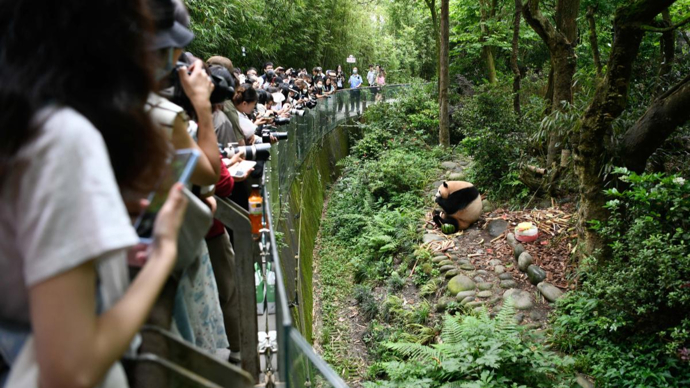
(458, 200)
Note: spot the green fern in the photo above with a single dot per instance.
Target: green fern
(477, 351)
(416, 352)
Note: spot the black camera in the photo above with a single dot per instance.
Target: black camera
(251, 152)
(223, 82)
(281, 120)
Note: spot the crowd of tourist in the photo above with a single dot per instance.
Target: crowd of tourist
(95, 98)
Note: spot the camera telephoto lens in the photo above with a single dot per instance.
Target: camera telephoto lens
(254, 152)
(281, 120)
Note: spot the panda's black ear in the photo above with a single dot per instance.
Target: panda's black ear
(445, 184)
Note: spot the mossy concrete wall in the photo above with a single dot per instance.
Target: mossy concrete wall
(300, 218)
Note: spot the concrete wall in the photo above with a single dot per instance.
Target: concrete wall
(304, 203)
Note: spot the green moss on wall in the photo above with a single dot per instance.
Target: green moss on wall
(300, 220)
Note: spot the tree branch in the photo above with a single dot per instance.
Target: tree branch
(541, 25)
(655, 126)
(666, 29)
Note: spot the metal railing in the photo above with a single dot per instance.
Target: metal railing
(175, 363)
(298, 364)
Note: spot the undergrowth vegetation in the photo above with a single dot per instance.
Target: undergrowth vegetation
(370, 255)
(477, 351)
(629, 323)
(368, 236)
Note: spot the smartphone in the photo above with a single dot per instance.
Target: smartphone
(179, 170)
(238, 170)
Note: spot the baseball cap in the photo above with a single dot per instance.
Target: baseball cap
(171, 21)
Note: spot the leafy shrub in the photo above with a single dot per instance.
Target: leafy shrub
(395, 281)
(630, 321)
(647, 278)
(367, 303)
(477, 351)
(492, 137)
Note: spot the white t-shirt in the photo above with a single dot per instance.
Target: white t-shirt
(247, 126)
(60, 207)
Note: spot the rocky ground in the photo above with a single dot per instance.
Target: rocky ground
(484, 265)
(479, 268)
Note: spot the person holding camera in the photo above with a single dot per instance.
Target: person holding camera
(70, 154)
(193, 295)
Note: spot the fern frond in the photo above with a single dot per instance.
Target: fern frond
(453, 330)
(505, 319)
(416, 351)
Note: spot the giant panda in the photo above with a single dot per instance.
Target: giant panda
(461, 204)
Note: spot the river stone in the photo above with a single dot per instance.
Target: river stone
(443, 303)
(535, 274)
(508, 283)
(487, 206)
(478, 303)
(439, 259)
(467, 267)
(583, 381)
(499, 269)
(463, 261)
(494, 299)
(522, 299)
(478, 279)
(482, 272)
(456, 176)
(536, 315)
(511, 240)
(485, 286)
(550, 292)
(495, 262)
(506, 276)
(451, 273)
(484, 294)
(517, 251)
(497, 227)
(449, 165)
(446, 262)
(463, 162)
(524, 261)
(467, 300)
(460, 283)
(519, 317)
(430, 237)
(464, 294)
(447, 268)
(429, 226)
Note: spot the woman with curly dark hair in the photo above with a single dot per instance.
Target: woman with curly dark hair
(74, 77)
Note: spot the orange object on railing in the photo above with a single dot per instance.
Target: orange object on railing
(255, 209)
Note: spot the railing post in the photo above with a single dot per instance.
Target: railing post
(237, 219)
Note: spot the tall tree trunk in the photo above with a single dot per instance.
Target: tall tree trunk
(561, 41)
(610, 100)
(444, 78)
(514, 57)
(594, 40)
(486, 11)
